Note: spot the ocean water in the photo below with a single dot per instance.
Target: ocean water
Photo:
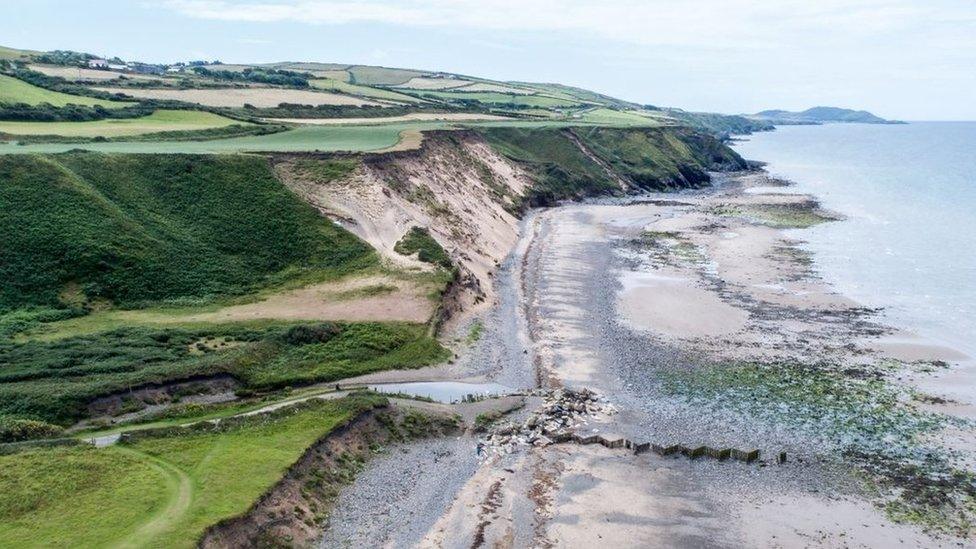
(908, 192)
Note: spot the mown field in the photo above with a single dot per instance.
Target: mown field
(13, 91)
(161, 490)
(163, 120)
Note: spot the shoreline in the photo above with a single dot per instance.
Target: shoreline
(720, 286)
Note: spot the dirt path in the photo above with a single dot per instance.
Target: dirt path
(180, 489)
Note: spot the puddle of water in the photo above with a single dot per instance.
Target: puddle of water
(443, 391)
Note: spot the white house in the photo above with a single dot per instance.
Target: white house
(97, 64)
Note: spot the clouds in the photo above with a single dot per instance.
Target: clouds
(731, 23)
(904, 58)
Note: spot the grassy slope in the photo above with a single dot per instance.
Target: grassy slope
(159, 121)
(148, 227)
(16, 91)
(74, 497)
(652, 158)
(333, 85)
(54, 380)
(380, 76)
(87, 497)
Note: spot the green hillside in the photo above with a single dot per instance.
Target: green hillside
(648, 158)
(130, 228)
(13, 91)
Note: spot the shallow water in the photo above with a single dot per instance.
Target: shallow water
(443, 391)
(909, 196)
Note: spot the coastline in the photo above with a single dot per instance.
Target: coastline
(702, 322)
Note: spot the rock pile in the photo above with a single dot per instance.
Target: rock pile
(563, 410)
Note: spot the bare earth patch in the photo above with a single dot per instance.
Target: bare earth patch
(354, 300)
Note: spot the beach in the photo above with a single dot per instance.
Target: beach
(702, 320)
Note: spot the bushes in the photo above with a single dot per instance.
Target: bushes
(428, 250)
(138, 228)
(46, 112)
(306, 334)
(275, 77)
(54, 381)
(17, 430)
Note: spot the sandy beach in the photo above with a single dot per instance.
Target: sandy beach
(702, 323)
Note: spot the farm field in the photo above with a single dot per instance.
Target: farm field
(13, 90)
(502, 98)
(331, 84)
(80, 73)
(310, 137)
(238, 97)
(427, 83)
(612, 117)
(162, 490)
(305, 138)
(412, 117)
(380, 76)
(162, 120)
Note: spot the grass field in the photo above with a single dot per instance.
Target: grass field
(495, 98)
(612, 117)
(426, 83)
(380, 76)
(76, 497)
(160, 121)
(13, 90)
(238, 97)
(326, 138)
(11, 53)
(162, 490)
(334, 85)
(306, 138)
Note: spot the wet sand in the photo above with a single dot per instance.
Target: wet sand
(609, 296)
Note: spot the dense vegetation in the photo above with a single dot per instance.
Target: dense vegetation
(259, 75)
(53, 381)
(418, 240)
(83, 227)
(45, 112)
(588, 160)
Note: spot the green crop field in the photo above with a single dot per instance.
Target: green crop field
(610, 117)
(159, 121)
(380, 76)
(304, 138)
(13, 90)
(162, 490)
(496, 98)
(331, 84)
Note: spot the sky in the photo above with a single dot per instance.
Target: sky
(910, 60)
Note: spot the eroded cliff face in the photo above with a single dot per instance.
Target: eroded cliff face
(467, 188)
(455, 185)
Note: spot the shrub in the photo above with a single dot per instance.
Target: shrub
(16, 430)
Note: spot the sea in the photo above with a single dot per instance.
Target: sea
(908, 196)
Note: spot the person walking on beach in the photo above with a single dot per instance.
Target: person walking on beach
(481, 448)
